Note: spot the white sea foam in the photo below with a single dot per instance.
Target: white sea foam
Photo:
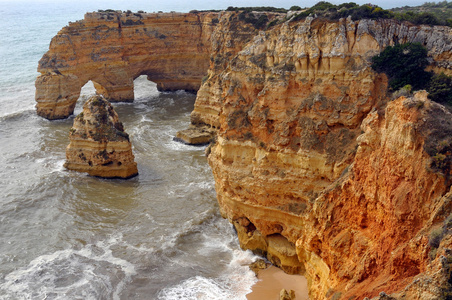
(234, 284)
(92, 272)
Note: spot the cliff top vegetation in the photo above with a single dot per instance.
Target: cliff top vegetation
(405, 64)
(442, 10)
(429, 13)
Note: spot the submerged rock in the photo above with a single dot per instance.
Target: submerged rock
(98, 143)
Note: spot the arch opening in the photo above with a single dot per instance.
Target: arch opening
(144, 88)
(86, 92)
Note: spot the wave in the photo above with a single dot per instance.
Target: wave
(212, 242)
(18, 114)
(92, 272)
(234, 284)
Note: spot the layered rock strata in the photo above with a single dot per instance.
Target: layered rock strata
(313, 164)
(113, 48)
(312, 49)
(99, 145)
(292, 170)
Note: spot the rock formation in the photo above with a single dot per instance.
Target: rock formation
(113, 48)
(293, 173)
(313, 163)
(98, 143)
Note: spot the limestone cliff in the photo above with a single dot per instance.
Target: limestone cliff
(313, 163)
(298, 178)
(113, 48)
(98, 143)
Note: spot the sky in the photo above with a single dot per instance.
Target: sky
(184, 6)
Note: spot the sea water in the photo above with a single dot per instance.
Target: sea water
(66, 235)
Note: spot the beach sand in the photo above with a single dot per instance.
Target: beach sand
(272, 280)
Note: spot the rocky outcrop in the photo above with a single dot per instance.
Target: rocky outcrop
(313, 164)
(318, 51)
(113, 48)
(298, 178)
(98, 143)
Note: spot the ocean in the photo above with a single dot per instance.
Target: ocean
(66, 235)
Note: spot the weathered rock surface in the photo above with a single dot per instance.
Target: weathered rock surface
(299, 180)
(196, 135)
(318, 51)
(113, 48)
(286, 295)
(98, 143)
(313, 165)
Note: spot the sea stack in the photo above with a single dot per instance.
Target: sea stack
(98, 143)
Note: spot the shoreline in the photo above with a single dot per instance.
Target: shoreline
(272, 280)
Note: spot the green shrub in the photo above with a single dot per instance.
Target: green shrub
(250, 18)
(295, 7)
(440, 88)
(273, 23)
(404, 91)
(403, 64)
(323, 5)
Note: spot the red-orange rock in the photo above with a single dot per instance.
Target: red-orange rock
(293, 173)
(98, 143)
(313, 164)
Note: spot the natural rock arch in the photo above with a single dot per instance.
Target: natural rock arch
(113, 48)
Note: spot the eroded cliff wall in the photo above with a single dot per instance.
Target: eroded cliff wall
(113, 48)
(296, 174)
(314, 164)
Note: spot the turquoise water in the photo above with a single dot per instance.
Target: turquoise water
(65, 235)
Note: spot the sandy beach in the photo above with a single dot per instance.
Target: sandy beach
(272, 280)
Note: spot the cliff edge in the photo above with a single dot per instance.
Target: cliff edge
(113, 48)
(319, 171)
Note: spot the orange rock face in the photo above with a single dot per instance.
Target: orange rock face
(301, 182)
(313, 164)
(112, 49)
(98, 143)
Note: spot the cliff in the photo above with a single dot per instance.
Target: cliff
(98, 144)
(300, 180)
(313, 163)
(113, 48)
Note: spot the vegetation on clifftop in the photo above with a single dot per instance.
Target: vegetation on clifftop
(370, 11)
(429, 14)
(441, 10)
(405, 64)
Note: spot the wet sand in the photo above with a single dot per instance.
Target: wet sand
(272, 280)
